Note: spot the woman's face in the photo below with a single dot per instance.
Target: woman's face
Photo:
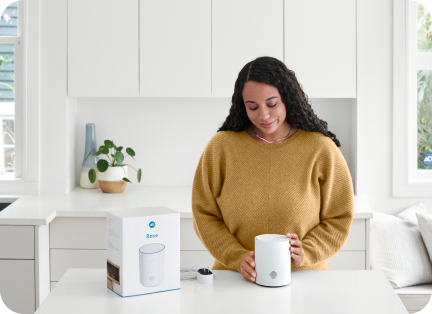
(264, 105)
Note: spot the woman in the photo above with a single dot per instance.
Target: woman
(272, 168)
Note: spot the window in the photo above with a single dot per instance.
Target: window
(412, 99)
(9, 38)
(420, 58)
(19, 98)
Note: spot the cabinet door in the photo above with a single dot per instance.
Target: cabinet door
(243, 30)
(347, 260)
(78, 233)
(320, 46)
(103, 48)
(198, 259)
(175, 48)
(62, 260)
(17, 242)
(17, 285)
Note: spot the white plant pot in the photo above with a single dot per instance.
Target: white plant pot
(111, 181)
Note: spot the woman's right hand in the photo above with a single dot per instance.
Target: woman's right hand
(247, 266)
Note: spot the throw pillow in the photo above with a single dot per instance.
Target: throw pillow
(425, 225)
(409, 214)
(398, 250)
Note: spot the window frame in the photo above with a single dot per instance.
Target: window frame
(16, 41)
(26, 51)
(4, 117)
(408, 181)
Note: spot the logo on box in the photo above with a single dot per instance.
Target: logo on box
(152, 224)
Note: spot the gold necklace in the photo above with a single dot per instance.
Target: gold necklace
(274, 140)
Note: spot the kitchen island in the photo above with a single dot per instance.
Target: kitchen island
(328, 292)
(41, 236)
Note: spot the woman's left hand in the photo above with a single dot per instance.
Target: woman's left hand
(296, 249)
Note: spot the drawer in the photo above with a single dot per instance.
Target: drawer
(188, 238)
(17, 286)
(347, 260)
(17, 242)
(78, 233)
(198, 259)
(357, 238)
(62, 260)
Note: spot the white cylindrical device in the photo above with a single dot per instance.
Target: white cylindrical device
(152, 264)
(272, 260)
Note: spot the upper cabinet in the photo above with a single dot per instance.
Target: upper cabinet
(175, 48)
(196, 48)
(243, 30)
(103, 48)
(320, 46)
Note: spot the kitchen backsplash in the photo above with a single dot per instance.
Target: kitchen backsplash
(170, 134)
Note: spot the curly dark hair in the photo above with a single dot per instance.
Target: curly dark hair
(274, 72)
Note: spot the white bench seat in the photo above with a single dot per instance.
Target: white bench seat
(415, 298)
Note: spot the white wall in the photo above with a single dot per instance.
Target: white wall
(56, 128)
(374, 101)
(170, 134)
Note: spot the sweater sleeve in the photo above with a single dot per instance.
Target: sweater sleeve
(207, 218)
(337, 208)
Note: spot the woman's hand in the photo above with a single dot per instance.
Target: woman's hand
(247, 266)
(296, 249)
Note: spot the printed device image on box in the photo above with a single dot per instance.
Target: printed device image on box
(143, 253)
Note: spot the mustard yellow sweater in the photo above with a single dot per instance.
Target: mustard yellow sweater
(242, 189)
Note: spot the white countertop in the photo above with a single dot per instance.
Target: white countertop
(326, 292)
(42, 209)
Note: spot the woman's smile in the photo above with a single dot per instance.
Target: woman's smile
(268, 125)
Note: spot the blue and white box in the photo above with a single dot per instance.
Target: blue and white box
(143, 253)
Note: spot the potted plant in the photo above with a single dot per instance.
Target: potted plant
(112, 174)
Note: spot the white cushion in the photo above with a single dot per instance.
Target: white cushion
(409, 214)
(425, 225)
(398, 250)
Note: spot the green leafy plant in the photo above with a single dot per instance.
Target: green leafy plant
(4, 61)
(116, 160)
(424, 88)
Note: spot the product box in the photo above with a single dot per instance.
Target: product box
(143, 253)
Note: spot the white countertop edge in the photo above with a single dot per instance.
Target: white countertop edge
(42, 209)
(96, 215)
(38, 222)
(9, 198)
(23, 222)
(41, 222)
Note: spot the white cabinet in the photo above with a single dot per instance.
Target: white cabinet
(175, 48)
(353, 255)
(17, 285)
(347, 260)
(320, 46)
(81, 243)
(78, 233)
(243, 30)
(196, 48)
(17, 268)
(76, 243)
(196, 259)
(103, 48)
(17, 242)
(62, 260)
